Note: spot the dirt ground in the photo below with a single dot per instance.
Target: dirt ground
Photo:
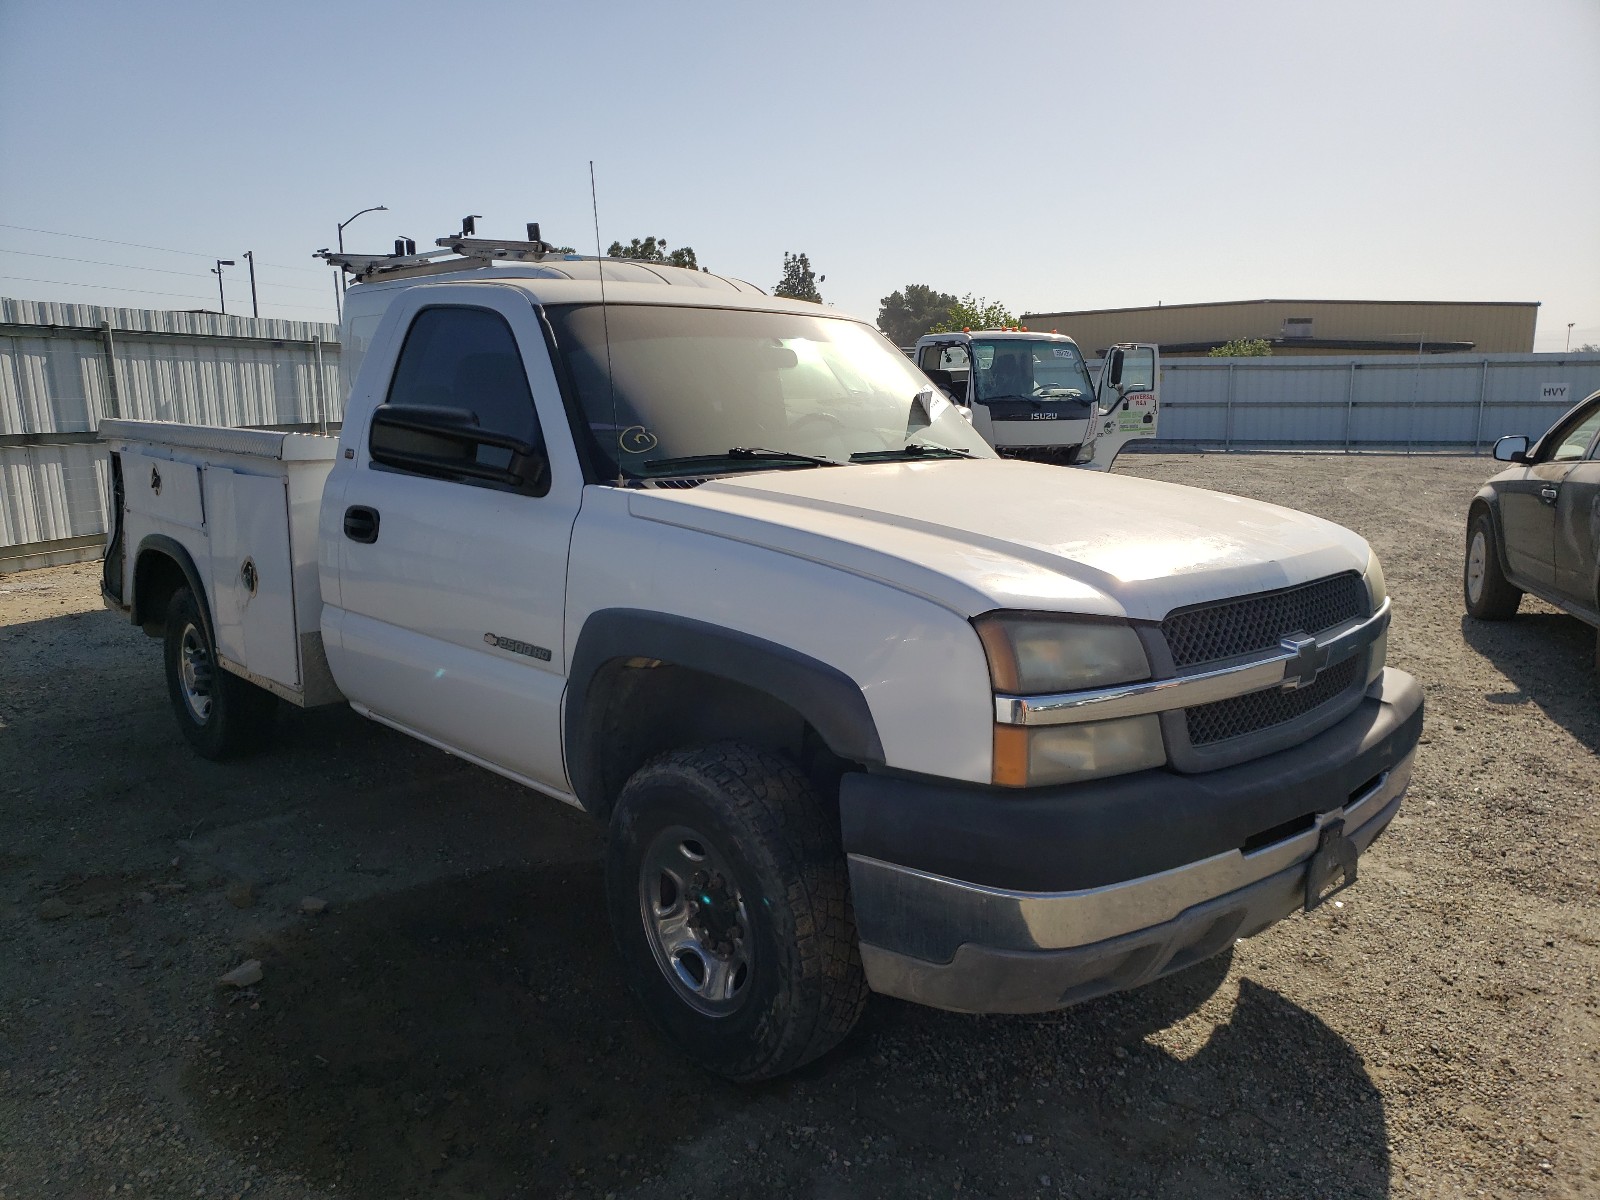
(453, 1024)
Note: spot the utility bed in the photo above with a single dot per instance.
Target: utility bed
(242, 504)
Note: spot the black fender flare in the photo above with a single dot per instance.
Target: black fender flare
(825, 697)
(166, 547)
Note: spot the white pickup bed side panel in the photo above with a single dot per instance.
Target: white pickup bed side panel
(918, 663)
(254, 495)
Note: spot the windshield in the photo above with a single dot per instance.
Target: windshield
(690, 385)
(1040, 370)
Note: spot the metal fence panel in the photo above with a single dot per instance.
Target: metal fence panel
(65, 367)
(1453, 401)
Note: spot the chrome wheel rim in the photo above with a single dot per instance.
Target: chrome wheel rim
(1477, 565)
(695, 921)
(194, 673)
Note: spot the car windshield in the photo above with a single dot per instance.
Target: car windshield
(696, 390)
(1040, 369)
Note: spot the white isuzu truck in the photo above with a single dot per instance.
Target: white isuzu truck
(863, 706)
(1030, 396)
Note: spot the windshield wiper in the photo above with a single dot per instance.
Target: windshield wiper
(910, 450)
(731, 456)
(762, 454)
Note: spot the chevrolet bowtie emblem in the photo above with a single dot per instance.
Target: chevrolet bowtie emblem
(1308, 662)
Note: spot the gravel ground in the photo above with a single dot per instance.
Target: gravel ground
(453, 1024)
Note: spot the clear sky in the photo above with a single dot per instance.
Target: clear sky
(1050, 156)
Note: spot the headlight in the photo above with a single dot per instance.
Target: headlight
(1378, 593)
(1035, 655)
(1031, 655)
(1032, 756)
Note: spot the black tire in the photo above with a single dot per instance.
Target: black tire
(752, 812)
(1488, 594)
(222, 715)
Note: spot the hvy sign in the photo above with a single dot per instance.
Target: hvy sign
(1554, 392)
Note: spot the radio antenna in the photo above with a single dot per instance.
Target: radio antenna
(605, 323)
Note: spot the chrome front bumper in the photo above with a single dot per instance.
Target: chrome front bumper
(956, 945)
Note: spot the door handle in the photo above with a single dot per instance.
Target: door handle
(1547, 494)
(361, 524)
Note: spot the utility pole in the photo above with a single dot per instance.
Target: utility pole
(1570, 324)
(255, 309)
(222, 299)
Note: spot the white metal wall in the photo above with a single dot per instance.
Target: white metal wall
(1446, 401)
(65, 367)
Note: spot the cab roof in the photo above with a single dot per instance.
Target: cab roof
(576, 279)
(996, 335)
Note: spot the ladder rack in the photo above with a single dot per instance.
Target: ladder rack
(459, 253)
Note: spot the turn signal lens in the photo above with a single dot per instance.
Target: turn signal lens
(1033, 756)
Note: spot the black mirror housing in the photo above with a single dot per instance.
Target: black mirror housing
(1116, 367)
(446, 441)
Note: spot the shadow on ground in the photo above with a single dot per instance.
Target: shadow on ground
(1550, 659)
(473, 1037)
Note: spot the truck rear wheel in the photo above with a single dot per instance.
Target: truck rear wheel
(221, 714)
(730, 904)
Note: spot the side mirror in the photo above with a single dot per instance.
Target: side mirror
(1115, 366)
(446, 442)
(1513, 449)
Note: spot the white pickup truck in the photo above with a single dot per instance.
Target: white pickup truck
(865, 707)
(1028, 393)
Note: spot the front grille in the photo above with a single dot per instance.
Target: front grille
(1255, 711)
(1213, 632)
(1024, 410)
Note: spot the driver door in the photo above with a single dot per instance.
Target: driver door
(1529, 505)
(453, 590)
(1577, 523)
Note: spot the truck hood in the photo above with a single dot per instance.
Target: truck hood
(980, 535)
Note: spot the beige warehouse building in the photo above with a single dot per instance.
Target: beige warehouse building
(1306, 326)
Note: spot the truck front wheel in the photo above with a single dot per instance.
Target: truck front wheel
(221, 714)
(729, 899)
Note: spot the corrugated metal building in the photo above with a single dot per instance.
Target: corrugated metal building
(1307, 326)
(64, 367)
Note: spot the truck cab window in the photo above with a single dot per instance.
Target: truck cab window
(466, 358)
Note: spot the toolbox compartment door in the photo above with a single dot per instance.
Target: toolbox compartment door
(252, 581)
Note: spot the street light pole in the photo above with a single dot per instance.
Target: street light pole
(1570, 324)
(255, 309)
(338, 285)
(222, 299)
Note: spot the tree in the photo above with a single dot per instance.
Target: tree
(798, 282)
(1588, 348)
(654, 249)
(975, 312)
(1243, 348)
(906, 316)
